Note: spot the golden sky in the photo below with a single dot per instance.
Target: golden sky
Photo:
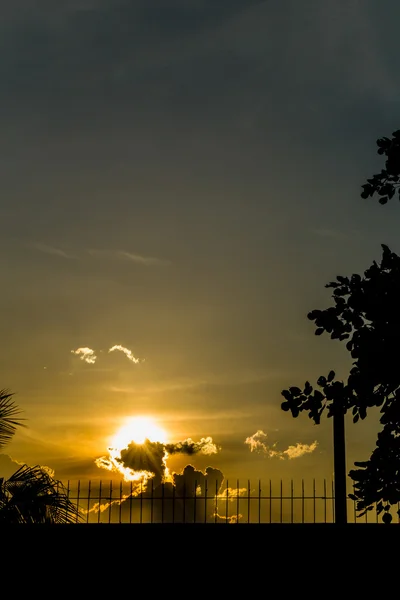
(178, 185)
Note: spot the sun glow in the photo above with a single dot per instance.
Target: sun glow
(138, 429)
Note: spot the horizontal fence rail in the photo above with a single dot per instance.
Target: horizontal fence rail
(210, 502)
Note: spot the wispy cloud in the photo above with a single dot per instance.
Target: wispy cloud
(52, 250)
(231, 493)
(258, 442)
(86, 354)
(143, 260)
(147, 261)
(300, 449)
(101, 507)
(228, 519)
(128, 353)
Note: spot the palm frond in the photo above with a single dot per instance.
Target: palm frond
(31, 495)
(9, 420)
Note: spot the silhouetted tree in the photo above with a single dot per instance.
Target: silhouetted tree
(30, 495)
(366, 316)
(387, 181)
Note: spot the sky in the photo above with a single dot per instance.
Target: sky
(179, 182)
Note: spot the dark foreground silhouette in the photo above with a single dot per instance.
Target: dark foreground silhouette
(365, 315)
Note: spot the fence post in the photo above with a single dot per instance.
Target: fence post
(340, 475)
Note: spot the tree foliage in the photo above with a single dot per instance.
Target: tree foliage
(9, 419)
(365, 316)
(387, 181)
(30, 495)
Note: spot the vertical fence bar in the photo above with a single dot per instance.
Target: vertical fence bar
(339, 459)
(98, 514)
(194, 501)
(324, 500)
(184, 501)
(130, 503)
(205, 499)
(78, 495)
(270, 501)
(110, 500)
(259, 501)
(226, 503)
(162, 501)
(291, 501)
(216, 502)
(314, 507)
(120, 502)
(302, 500)
(141, 501)
(237, 501)
(334, 502)
(248, 500)
(173, 504)
(354, 507)
(281, 503)
(88, 501)
(152, 501)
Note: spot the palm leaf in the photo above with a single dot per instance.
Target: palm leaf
(9, 420)
(31, 495)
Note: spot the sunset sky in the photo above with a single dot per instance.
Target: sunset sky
(180, 179)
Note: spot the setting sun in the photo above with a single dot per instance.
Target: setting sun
(137, 429)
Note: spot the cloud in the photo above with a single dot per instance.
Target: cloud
(204, 446)
(9, 465)
(188, 496)
(102, 506)
(126, 351)
(229, 519)
(53, 251)
(141, 462)
(258, 443)
(143, 260)
(232, 493)
(300, 449)
(139, 259)
(196, 495)
(85, 354)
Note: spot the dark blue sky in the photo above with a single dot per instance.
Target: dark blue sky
(182, 179)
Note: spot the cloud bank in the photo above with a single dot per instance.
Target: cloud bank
(188, 496)
(141, 462)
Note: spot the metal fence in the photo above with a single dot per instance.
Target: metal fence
(120, 502)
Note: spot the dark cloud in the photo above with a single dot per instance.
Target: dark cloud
(148, 460)
(190, 496)
(8, 465)
(205, 446)
(149, 456)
